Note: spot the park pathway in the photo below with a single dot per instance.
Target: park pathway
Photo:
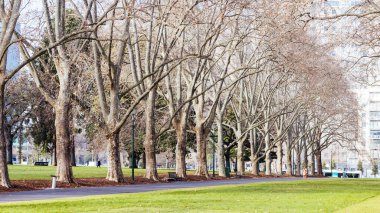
(87, 191)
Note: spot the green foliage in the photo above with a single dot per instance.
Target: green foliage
(91, 130)
(167, 142)
(73, 22)
(42, 128)
(190, 142)
(138, 144)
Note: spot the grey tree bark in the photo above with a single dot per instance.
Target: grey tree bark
(9, 144)
(113, 158)
(150, 137)
(72, 152)
(220, 149)
(64, 170)
(298, 162)
(288, 158)
(180, 151)
(279, 158)
(305, 157)
(268, 159)
(201, 169)
(179, 111)
(54, 154)
(254, 146)
(4, 175)
(8, 18)
(312, 166)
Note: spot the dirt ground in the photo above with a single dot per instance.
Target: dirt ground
(28, 185)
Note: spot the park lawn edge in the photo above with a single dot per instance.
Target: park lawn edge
(117, 194)
(86, 197)
(93, 198)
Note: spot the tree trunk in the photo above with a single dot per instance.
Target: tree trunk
(255, 165)
(20, 145)
(279, 158)
(4, 181)
(312, 168)
(180, 151)
(288, 157)
(318, 157)
(72, 152)
(63, 146)
(268, 162)
(201, 152)
(305, 159)
(115, 172)
(150, 160)
(149, 143)
(254, 150)
(220, 150)
(298, 163)
(144, 161)
(268, 159)
(240, 155)
(54, 157)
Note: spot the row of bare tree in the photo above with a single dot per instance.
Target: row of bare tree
(190, 67)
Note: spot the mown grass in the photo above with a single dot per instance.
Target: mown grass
(293, 196)
(23, 172)
(371, 205)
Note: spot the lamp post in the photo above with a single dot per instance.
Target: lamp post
(133, 144)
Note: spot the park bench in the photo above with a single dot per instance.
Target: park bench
(172, 176)
(41, 163)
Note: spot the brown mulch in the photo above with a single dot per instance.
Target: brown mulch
(29, 185)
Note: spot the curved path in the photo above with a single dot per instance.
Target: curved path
(87, 191)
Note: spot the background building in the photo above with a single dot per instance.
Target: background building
(367, 147)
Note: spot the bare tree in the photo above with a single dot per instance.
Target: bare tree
(9, 14)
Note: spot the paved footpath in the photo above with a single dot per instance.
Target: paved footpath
(87, 191)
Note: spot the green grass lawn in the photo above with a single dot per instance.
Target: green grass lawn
(371, 205)
(328, 195)
(22, 172)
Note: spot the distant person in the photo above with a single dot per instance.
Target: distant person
(98, 164)
(88, 163)
(305, 173)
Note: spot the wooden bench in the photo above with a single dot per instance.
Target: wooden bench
(172, 176)
(41, 163)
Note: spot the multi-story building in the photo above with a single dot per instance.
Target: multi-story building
(367, 147)
(13, 54)
(369, 99)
